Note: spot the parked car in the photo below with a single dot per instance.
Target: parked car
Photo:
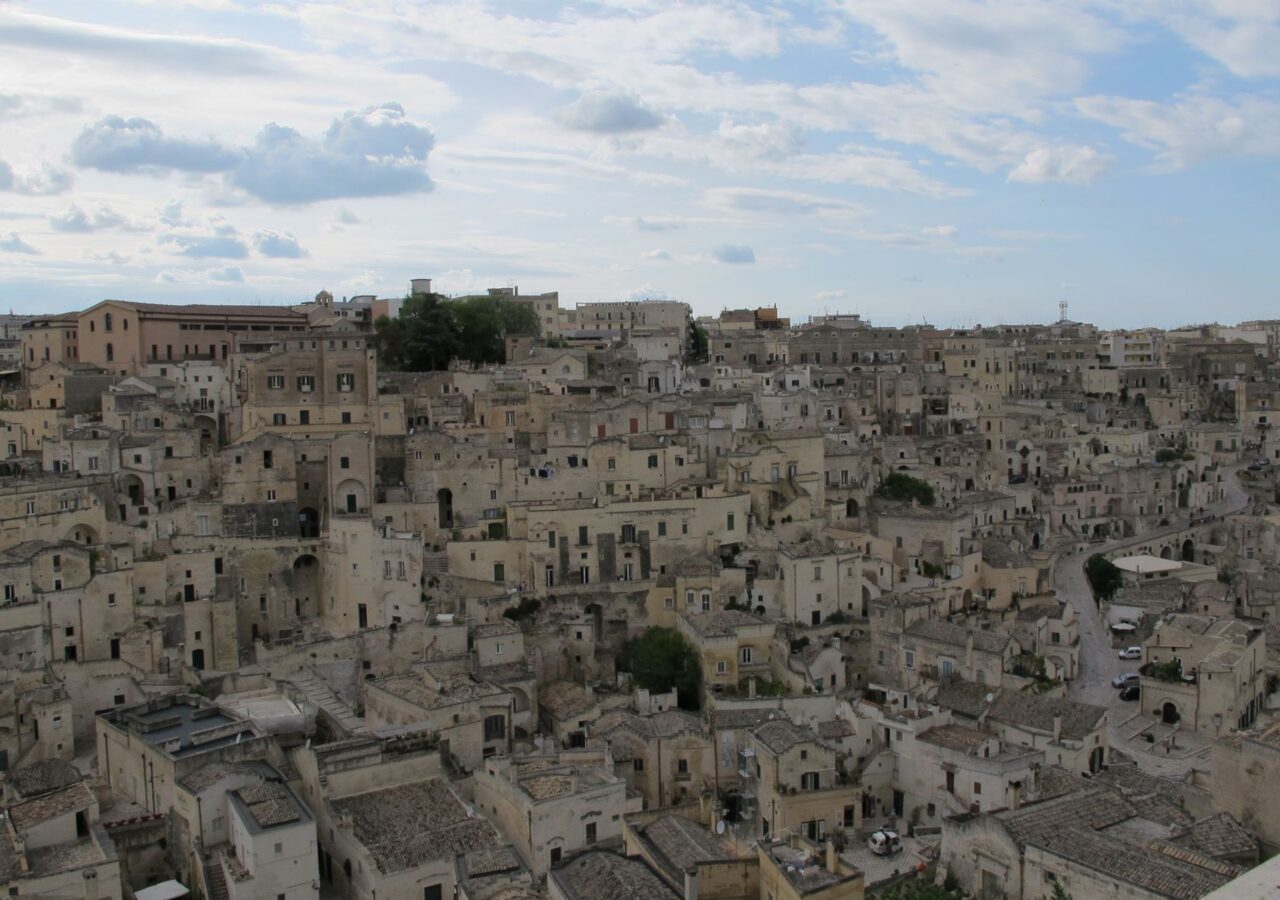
(1131, 653)
(884, 843)
(1132, 692)
(1255, 467)
(1125, 679)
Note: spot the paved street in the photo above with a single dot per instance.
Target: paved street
(1098, 660)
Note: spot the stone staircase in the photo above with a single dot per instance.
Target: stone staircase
(215, 880)
(327, 703)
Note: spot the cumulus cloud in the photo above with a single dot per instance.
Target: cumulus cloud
(372, 153)
(278, 245)
(734, 254)
(221, 275)
(12, 243)
(171, 213)
(825, 296)
(767, 141)
(75, 219)
(202, 246)
(757, 200)
(940, 231)
(41, 182)
(1071, 165)
(14, 106)
(647, 292)
(609, 112)
(137, 145)
(375, 152)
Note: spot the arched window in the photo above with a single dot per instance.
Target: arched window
(106, 322)
(111, 353)
(124, 323)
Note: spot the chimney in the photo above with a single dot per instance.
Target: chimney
(833, 861)
(1057, 729)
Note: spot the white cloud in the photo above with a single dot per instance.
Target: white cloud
(1071, 165)
(39, 181)
(13, 243)
(940, 231)
(103, 217)
(774, 202)
(734, 254)
(658, 255)
(609, 112)
(1193, 127)
(278, 245)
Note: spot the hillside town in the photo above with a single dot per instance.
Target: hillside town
(643, 604)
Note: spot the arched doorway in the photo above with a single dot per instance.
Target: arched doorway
(866, 600)
(134, 488)
(351, 496)
(197, 659)
(1095, 760)
(1169, 714)
(308, 523)
(444, 503)
(1166, 552)
(851, 508)
(1188, 551)
(1035, 541)
(82, 534)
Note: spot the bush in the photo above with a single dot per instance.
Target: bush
(661, 659)
(1104, 577)
(1167, 454)
(904, 488)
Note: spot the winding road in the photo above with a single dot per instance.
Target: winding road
(1098, 660)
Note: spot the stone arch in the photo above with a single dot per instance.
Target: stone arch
(1169, 714)
(352, 496)
(851, 508)
(131, 485)
(1035, 541)
(82, 534)
(1166, 552)
(1188, 550)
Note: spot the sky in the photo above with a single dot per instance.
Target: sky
(943, 161)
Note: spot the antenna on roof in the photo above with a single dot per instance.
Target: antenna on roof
(1062, 310)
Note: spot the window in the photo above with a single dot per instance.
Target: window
(346, 382)
(745, 655)
(306, 383)
(612, 464)
(662, 529)
(277, 419)
(582, 536)
(909, 659)
(729, 522)
(271, 496)
(817, 573)
(591, 832)
(433, 892)
(344, 462)
(637, 764)
(721, 667)
(275, 382)
(809, 781)
(267, 459)
(653, 460)
(682, 766)
(279, 848)
(495, 728)
(346, 418)
(706, 602)
(499, 572)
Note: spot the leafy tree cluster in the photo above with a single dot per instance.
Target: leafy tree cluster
(899, 486)
(1104, 577)
(661, 659)
(526, 608)
(432, 331)
(698, 344)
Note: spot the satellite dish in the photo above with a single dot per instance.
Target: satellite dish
(720, 827)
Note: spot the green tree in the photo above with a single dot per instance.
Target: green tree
(431, 331)
(423, 338)
(921, 888)
(898, 486)
(698, 344)
(661, 659)
(1104, 577)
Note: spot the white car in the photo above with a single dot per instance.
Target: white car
(1131, 653)
(1125, 678)
(884, 843)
